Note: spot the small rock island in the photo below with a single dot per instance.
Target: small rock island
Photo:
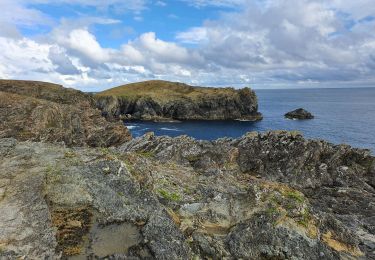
(299, 114)
(164, 101)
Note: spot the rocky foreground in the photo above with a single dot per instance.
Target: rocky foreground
(262, 196)
(164, 101)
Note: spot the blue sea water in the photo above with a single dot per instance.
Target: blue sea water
(341, 116)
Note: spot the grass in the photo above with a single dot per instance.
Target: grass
(172, 196)
(147, 154)
(164, 91)
(295, 195)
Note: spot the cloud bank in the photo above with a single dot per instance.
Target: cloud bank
(261, 43)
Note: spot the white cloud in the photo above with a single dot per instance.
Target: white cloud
(161, 3)
(257, 42)
(220, 3)
(194, 35)
(24, 56)
(82, 41)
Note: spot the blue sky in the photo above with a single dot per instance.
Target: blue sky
(167, 18)
(93, 44)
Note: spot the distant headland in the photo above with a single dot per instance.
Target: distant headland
(163, 100)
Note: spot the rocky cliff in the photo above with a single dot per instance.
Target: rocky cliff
(162, 100)
(262, 196)
(41, 111)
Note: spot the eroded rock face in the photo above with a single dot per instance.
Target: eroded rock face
(47, 112)
(178, 198)
(299, 114)
(226, 105)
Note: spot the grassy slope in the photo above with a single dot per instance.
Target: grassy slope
(44, 90)
(164, 90)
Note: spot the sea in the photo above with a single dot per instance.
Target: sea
(342, 115)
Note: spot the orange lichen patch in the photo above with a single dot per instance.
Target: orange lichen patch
(233, 155)
(73, 250)
(174, 216)
(72, 225)
(312, 230)
(216, 228)
(275, 186)
(339, 246)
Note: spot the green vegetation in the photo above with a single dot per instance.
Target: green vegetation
(305, 218)
(164, 91)
(172, 196)
(193, 158)
(147, 154)
(295, 195)
(70, 154)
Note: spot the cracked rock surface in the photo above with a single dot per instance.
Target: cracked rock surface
(274, 195)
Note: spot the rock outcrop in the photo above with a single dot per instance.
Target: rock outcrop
(41, 111)
(161, 100)
(299, 114)
(262, 196)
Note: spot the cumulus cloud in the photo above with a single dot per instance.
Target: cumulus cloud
(313, 43)
(195, 35)
(256, 42)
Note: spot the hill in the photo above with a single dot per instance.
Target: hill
(159, 100)
(41, 111)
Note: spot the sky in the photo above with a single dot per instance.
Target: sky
(93, 44)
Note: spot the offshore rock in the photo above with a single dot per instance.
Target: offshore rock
(47, 112)
(162, 100)
(300, 114)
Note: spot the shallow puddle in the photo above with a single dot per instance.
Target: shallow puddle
(115, 238)
(108, 240)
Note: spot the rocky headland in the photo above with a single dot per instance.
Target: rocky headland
(40, 111)
(273, 195)
(162, 100)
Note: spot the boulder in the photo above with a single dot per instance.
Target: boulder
(299, 113)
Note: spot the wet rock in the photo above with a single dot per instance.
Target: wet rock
(299, 113)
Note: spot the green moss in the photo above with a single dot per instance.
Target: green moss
(295, 195)
(70, 154)
(172, 196)
(53, 173)
(305, 218)
(193, 158)
(272, 210)
(104, 151)
(147, 154)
